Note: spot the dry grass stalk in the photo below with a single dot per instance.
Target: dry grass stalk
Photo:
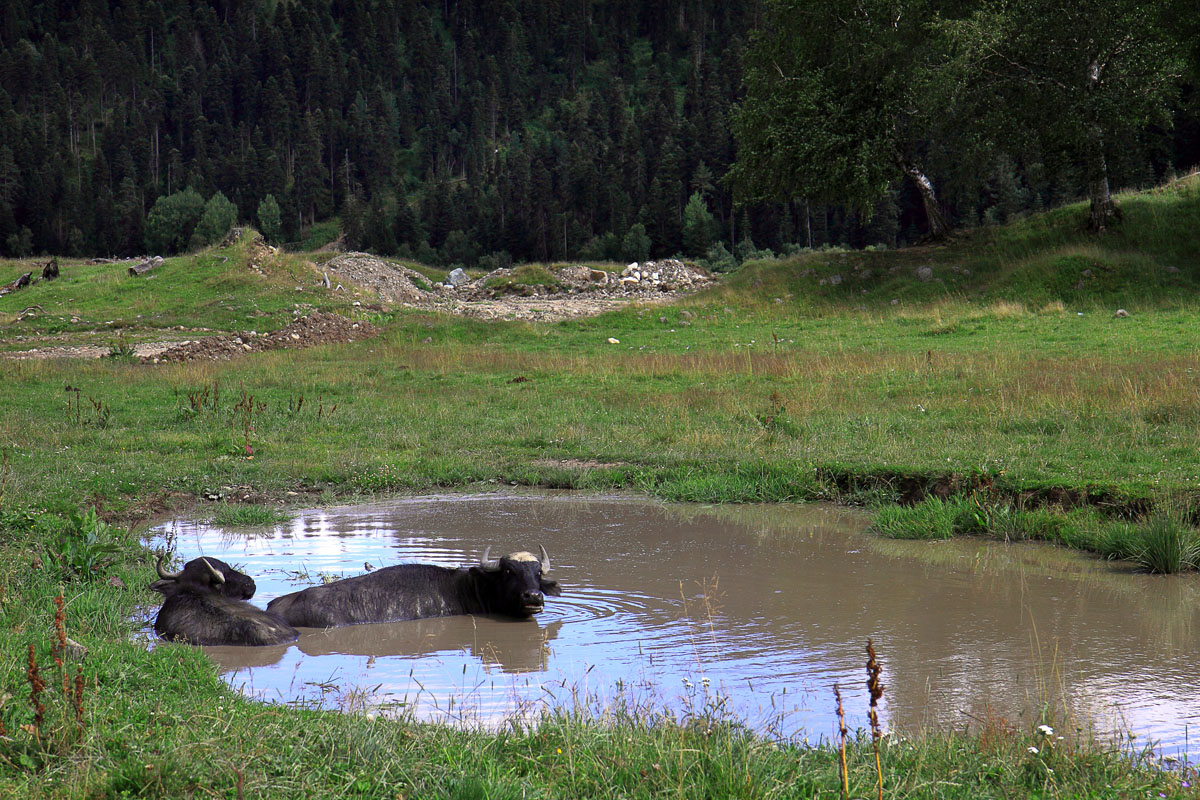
(837, 693)
(77, 698)
(36, 687)
(60, 642)
(875, 687)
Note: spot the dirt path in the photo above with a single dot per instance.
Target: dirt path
(574, 292)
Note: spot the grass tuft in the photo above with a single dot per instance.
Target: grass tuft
(248, 515)
(1167, 543)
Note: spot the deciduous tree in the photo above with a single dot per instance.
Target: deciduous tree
(842, 102)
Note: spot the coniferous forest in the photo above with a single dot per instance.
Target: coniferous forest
(461, 132)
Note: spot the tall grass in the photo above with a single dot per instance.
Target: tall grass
(1167, 542)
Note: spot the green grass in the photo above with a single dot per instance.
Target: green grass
(1017, 400)
(318, 235)
(248, 515)
(528, 275)
(216, 289)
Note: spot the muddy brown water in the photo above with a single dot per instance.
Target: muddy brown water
(749, 611)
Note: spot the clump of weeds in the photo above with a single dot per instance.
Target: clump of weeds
(54, 718)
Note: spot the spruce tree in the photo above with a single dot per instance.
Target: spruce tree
(269, 222)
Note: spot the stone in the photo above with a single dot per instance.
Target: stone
(925, 274)
(74, 650)
(1121, 313)
(457, 277)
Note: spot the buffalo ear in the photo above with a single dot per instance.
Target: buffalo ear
(164, 586)
(551, 587)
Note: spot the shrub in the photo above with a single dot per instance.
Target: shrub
(269, 219)
(172, 220)
(217, 220)
(636, 244)
(719, 259)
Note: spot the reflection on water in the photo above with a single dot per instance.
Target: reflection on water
(756, 610)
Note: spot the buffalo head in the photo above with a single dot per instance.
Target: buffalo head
(205, 575)
(516, 584)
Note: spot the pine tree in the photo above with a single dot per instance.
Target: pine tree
(269, 222)
(698, 226)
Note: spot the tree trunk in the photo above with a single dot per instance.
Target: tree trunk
(1103, 210)
(939, 225)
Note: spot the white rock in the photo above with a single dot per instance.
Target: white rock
(611, 340)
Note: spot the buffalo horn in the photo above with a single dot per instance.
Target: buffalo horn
(545, 559)
(216, 573)
(162, 573)
(488, 566)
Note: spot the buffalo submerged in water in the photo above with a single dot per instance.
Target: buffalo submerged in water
(206, 605)
(513, 586)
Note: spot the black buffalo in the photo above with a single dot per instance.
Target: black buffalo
(512, 586)
(206, 604)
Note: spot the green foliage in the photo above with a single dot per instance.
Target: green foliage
(172, 220)
(636, 244)
(839, 105)
(605, 247)
(527, 275)
(241, 515)
(699, 227)
(20, 244)
(269, 223)
(1167, 542)
(719, 259)
(1078, 78)
(932, 519)
(87, 544)
(218, 219)
(459, 249)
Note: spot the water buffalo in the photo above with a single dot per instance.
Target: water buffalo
(513, 586)
(206, 604)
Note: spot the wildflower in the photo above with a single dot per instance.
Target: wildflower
(1045, 730)
(1033, 751)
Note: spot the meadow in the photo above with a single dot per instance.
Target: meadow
(1004, 396)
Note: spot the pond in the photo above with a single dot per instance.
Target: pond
(749, 611)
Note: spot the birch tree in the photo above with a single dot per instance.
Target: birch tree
(842, 101)
(1073, 74)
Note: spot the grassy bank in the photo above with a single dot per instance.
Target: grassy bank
(1002, 396)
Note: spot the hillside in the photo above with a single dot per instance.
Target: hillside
(451, 132)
